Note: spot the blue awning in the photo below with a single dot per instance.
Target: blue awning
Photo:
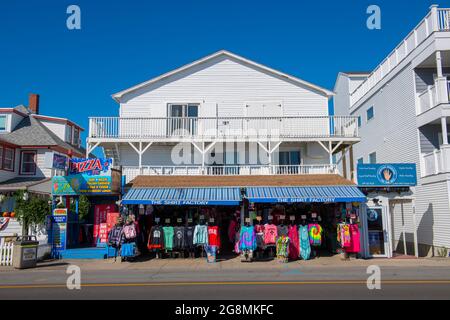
(183, 196)
(305, 194)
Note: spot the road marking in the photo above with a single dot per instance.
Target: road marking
(208, 283)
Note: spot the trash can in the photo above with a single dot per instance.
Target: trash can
(25, 252)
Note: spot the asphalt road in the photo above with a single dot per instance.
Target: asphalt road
(281, 283)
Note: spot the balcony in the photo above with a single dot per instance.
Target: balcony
(227, 170)
(434, 95)
(118, 129)
(437, 20)
(437, 162)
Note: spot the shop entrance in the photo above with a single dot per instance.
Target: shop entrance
(378, 234)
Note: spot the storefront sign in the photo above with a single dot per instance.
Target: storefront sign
(90, 166)
(387, 175)
(59, 229)
(54, 160)
(81, 184)
(103, 232)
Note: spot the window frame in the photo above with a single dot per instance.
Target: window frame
(4, 148)
(373, 113)
(34, 152)
(369, 159)
(6, 122)
(359, 121)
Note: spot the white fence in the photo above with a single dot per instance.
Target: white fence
(228, 170)
(435, 94)
(6, 253)
(437, 161)
(223, 127)
(436, 20)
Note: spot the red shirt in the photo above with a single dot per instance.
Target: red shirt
(214, 236)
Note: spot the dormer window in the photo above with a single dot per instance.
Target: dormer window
(3, 123)
(76, 136)
(69, 134)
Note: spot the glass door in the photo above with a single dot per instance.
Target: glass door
(378, 235)
(182, 119)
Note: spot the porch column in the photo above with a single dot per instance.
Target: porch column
(444, 130)
(441, 81)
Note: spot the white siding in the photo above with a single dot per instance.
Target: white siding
(226, 84)
(57, 128)
(401, 222)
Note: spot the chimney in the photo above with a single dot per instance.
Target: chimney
(33, 103)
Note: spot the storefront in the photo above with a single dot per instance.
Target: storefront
(244, 205)
(83, 200)
(388, 215)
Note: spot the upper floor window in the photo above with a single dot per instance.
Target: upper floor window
(7, 158)
(28, 163)
(2, 123)
(76, 136)
(69, 134)
(370, 113)
(359, 121)
(360, 161)
(373, 157)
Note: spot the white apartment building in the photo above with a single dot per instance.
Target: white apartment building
(403, 110)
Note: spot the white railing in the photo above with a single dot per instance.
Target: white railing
(435, 20)
(223, 127)
(6, 253)
(437, 161)
(131, 172)
(435, 94)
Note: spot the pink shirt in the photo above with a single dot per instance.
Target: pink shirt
(270, 234)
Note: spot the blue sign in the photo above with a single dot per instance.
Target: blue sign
(59, 230)
(387, 175)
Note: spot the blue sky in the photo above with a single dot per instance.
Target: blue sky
(123, 43)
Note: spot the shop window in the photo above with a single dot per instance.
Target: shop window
(8, 158)
(28, 163)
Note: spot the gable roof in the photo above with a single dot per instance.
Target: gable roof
(31, 132)
(117, 96)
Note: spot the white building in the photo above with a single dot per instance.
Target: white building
(223, 107)
(403, 108)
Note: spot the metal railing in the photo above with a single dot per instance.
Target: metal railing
(130, 172)
(223, 127)
(436, 20)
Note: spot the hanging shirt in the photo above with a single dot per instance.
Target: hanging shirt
(294, 250)
(156, 238)
(168, 238)
(270, 234)
(247, 239)
(355, 239)
(189, 237)
(259, 230)
(282, 230)
(282, 247)
(315, 234)
(214, 236)
(178, 238)
(305, 246)
(200, 235)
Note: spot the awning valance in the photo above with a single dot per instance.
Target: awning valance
(305, 194)
(183, 196)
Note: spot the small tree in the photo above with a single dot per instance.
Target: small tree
(32, 211)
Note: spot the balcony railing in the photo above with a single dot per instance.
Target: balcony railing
(437, 161)
(436, 20)
(223, 127)
(227, 170)
(435, 94)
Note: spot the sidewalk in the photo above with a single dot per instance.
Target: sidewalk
(200, 264)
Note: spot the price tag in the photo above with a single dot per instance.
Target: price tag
(353, 216)
(190, 220)
(292, 218)
(157, 220)
(259, 218)
(211, 220)
(179, 220)
(167, 220)
(270, 217)
(282, 217)
(247, 220)
(303, 217)
(313, 215)
(202, 217)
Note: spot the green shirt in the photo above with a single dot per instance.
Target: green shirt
(168, 238)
